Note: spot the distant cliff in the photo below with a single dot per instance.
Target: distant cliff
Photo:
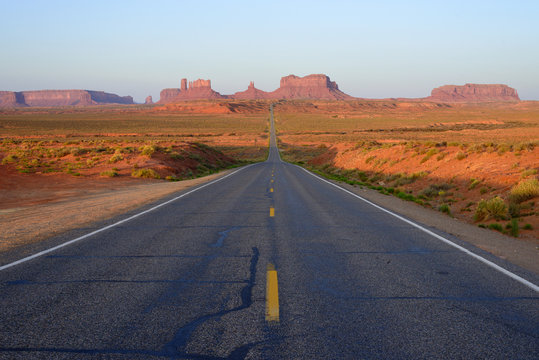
(46, 98)
(473, 93)
(317, 86)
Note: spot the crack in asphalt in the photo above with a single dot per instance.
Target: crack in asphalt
(175, 349)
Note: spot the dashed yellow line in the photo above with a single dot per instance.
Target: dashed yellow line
(272, 294)
(271, 190)
(272, 212)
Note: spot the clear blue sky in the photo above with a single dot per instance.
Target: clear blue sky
(372, 49)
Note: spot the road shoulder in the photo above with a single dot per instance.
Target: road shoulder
(521, 252)
(24, 226)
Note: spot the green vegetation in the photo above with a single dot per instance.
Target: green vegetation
(525, 190)
(110, 173)
(496, 226)
(493, 208)
(145, 173)
(445, 209)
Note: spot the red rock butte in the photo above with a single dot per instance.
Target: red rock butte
(316, 86)
(473, 93)
(48, 98)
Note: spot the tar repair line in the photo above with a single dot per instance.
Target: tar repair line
(116, 223)
(449, 242)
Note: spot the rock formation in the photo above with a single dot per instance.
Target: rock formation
(251, 93)
(149, 100)
(316, 86)
(473, 93)
(197, 90)
(46, 98)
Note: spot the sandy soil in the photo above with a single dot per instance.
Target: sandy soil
(50, 207)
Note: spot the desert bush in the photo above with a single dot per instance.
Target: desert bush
(525, 190)
(145, 173)
(460, 155)
(493, 208)
(62, 152)
(483, 190)
(445, 209)
(496, 226)
(435, 190)
(176, 156)
(528, 172)
(514, 209)
(513, 227)
(11, 158)
(148, 150)
(429, 154)
(116, 157)
(110, 173)
(172, 178)
(440, 156)
(78, 151)
(473, 183)
(527, 227)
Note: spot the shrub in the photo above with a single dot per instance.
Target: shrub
(9, 159)
(496, 226)
(78, 151)
(172, 178)
(528, 227)
(483, 190)
(461, 155)
(145, 173)
(110, 173)
(435, 190)
(445, 209)
(494, 208)
(176, 156)
(116, 157)
(473, 183)
(440, 156)
(148, 150)
(514, 209)
(525, 190)
(526, 173)
(513, 227)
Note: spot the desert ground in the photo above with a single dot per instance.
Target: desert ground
(475, 162)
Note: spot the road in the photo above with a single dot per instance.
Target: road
(269, 262)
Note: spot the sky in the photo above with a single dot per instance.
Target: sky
(372, 49)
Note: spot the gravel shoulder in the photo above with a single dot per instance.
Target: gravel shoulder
(521, 252)
(31, 224)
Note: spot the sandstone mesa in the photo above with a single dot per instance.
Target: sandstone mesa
(47, 98)
(313, 87)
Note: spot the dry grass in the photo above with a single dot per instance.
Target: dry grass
(525, 190)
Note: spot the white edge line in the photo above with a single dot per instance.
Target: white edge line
(449, 242)
(17, 262)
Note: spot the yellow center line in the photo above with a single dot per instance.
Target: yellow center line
(272, 212)
(272, 294)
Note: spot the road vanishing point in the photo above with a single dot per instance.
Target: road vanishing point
(268, 262)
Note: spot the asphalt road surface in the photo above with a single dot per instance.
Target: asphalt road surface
(269, 262)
